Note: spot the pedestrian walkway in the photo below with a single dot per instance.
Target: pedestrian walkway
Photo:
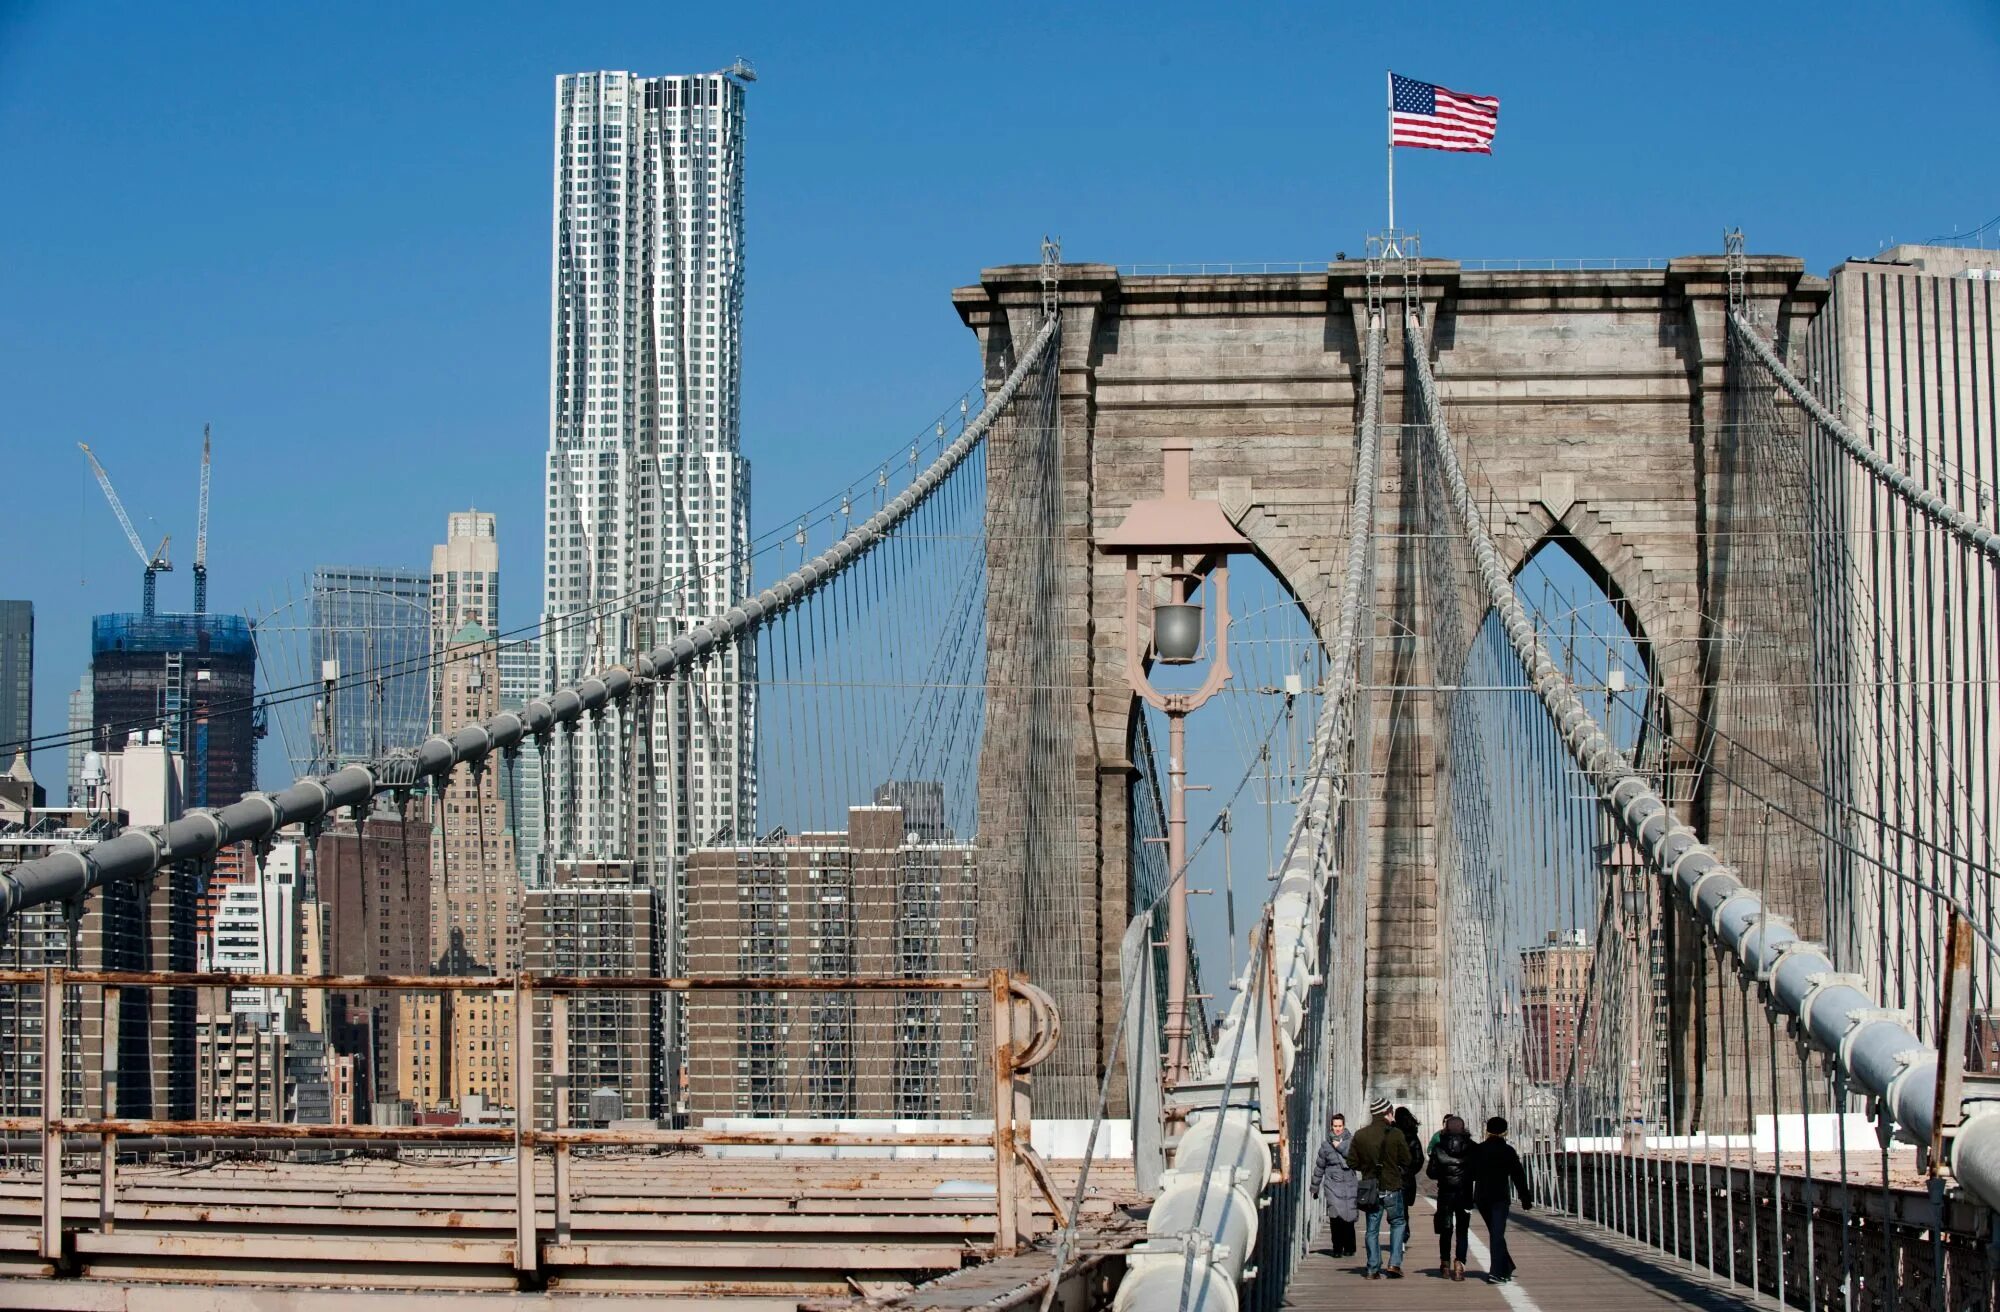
(1564, 1265)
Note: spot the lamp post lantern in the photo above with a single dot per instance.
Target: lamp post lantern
(1190, 541)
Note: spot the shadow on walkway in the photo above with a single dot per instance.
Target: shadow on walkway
(1663, 1274)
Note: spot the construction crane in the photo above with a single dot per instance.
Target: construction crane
(201, 534)
(157, 563)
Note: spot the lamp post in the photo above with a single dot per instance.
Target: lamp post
(1192, 540)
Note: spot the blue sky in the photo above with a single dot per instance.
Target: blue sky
(325, 229)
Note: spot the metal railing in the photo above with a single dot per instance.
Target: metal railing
(1612, 263)
(1022, 1020)
(1225, 267)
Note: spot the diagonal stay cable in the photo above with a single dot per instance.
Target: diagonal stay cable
(1936, 507)
(1879, 1056)
(136, 853)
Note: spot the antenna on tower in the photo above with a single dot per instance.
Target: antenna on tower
(1051, 274)
(1737, 264)
(201, 534)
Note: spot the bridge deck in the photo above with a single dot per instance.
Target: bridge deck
(1564, 1265)
(684, 1225)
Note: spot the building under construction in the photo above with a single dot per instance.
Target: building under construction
(191, 677)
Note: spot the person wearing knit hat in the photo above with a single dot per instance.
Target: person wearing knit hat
(1381, 1157)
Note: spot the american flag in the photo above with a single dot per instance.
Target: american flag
(1421, 114)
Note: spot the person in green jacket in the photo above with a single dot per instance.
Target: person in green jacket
(1381, 1157)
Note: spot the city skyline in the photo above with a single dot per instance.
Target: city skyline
(427, 334)
(1201, 664)
(494, 471)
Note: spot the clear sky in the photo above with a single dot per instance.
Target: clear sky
(325, 229)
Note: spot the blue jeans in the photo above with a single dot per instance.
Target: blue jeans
(1398, 1213)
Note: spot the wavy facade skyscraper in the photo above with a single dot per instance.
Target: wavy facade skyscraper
(647, 493)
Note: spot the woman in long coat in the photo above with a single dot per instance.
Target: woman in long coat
(1335, 1183)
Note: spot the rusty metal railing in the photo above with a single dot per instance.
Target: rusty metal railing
(1022, 1021)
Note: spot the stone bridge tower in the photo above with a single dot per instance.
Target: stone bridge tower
(1593, 407)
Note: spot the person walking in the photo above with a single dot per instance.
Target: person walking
(1381, 1158)
(1334, 1183)
(1495, 1167)
(1451, 1166)
(1406, 1121)
(1438, 1133)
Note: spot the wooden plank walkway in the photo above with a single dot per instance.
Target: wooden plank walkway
(1563, 1265)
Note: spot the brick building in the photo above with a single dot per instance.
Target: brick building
(877, 899)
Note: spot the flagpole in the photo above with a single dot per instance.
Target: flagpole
(1389, 83)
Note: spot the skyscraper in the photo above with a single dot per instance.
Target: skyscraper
(17, 674)
(465, 576)
(647, 493)
(371, 629)
(79, 738)
(475, 884)
(1903, 353)
(476, 897)
(521, 780)
(374, 881)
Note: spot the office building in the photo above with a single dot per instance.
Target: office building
(173, 723)
(522, 799)
(224, 871)
(247, 1072)
(1555, 976)
(79, 740)
(371, 638)
(258, 925)
(465, 575)
(374, 885)
(1903, 352)
(456, 1046)
(123, 926)
(878, 899)
(341, 1080)
(17, 678)
(647, 492)
(475, 883)
(597, 918)
(111, 935)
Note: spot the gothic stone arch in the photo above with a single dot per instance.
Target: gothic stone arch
(1584, 401)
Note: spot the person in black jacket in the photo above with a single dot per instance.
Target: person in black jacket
(1406, 1122)
(1495, 1166)
(1451, 1166)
